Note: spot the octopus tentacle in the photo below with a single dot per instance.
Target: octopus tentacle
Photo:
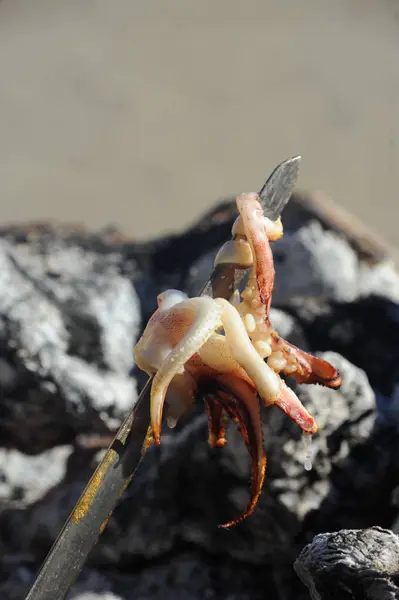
(266, 381)
(216, 417)
(241, 402)
(180, 397)
(206, 320)
(310, 369)
(258, 231)
(289, 403)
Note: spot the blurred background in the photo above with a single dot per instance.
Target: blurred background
(143, 114)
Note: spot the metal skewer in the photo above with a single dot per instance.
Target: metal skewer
(115, 471)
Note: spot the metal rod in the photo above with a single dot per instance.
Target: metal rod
(115, 471)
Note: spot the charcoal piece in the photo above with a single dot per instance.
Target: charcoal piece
(351, 565)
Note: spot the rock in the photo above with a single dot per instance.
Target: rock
(351, 410)
(167, 506)
(26, 479)
(312, 262)
(15, 577)
(352, 565)
(379, 280)
(184, 576)
(95, 596)
(31, 524)
(184, 490)
(284, 323)
(199, 272)
(93, 585)
(366, 332)
(67, 346)
(389, 408)
(74, 302)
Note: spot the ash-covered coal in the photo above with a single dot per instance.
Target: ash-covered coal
(72, 305)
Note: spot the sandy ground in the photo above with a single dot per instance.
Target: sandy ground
(142, 113)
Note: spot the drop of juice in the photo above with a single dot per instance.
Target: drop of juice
(307, 440)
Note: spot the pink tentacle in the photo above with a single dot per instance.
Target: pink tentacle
(251, 213)
(289, 403)
(310, 369)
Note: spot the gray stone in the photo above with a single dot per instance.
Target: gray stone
(169, 498)
(184, 576)
(69, 316)
(104, 392)
(351, 565)
(351, 409)
(93, 585)
(199, 273)
(313, 262)
(71, 338)
(282, 322)
(95, 596)
(26, 479)
(379, 280)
